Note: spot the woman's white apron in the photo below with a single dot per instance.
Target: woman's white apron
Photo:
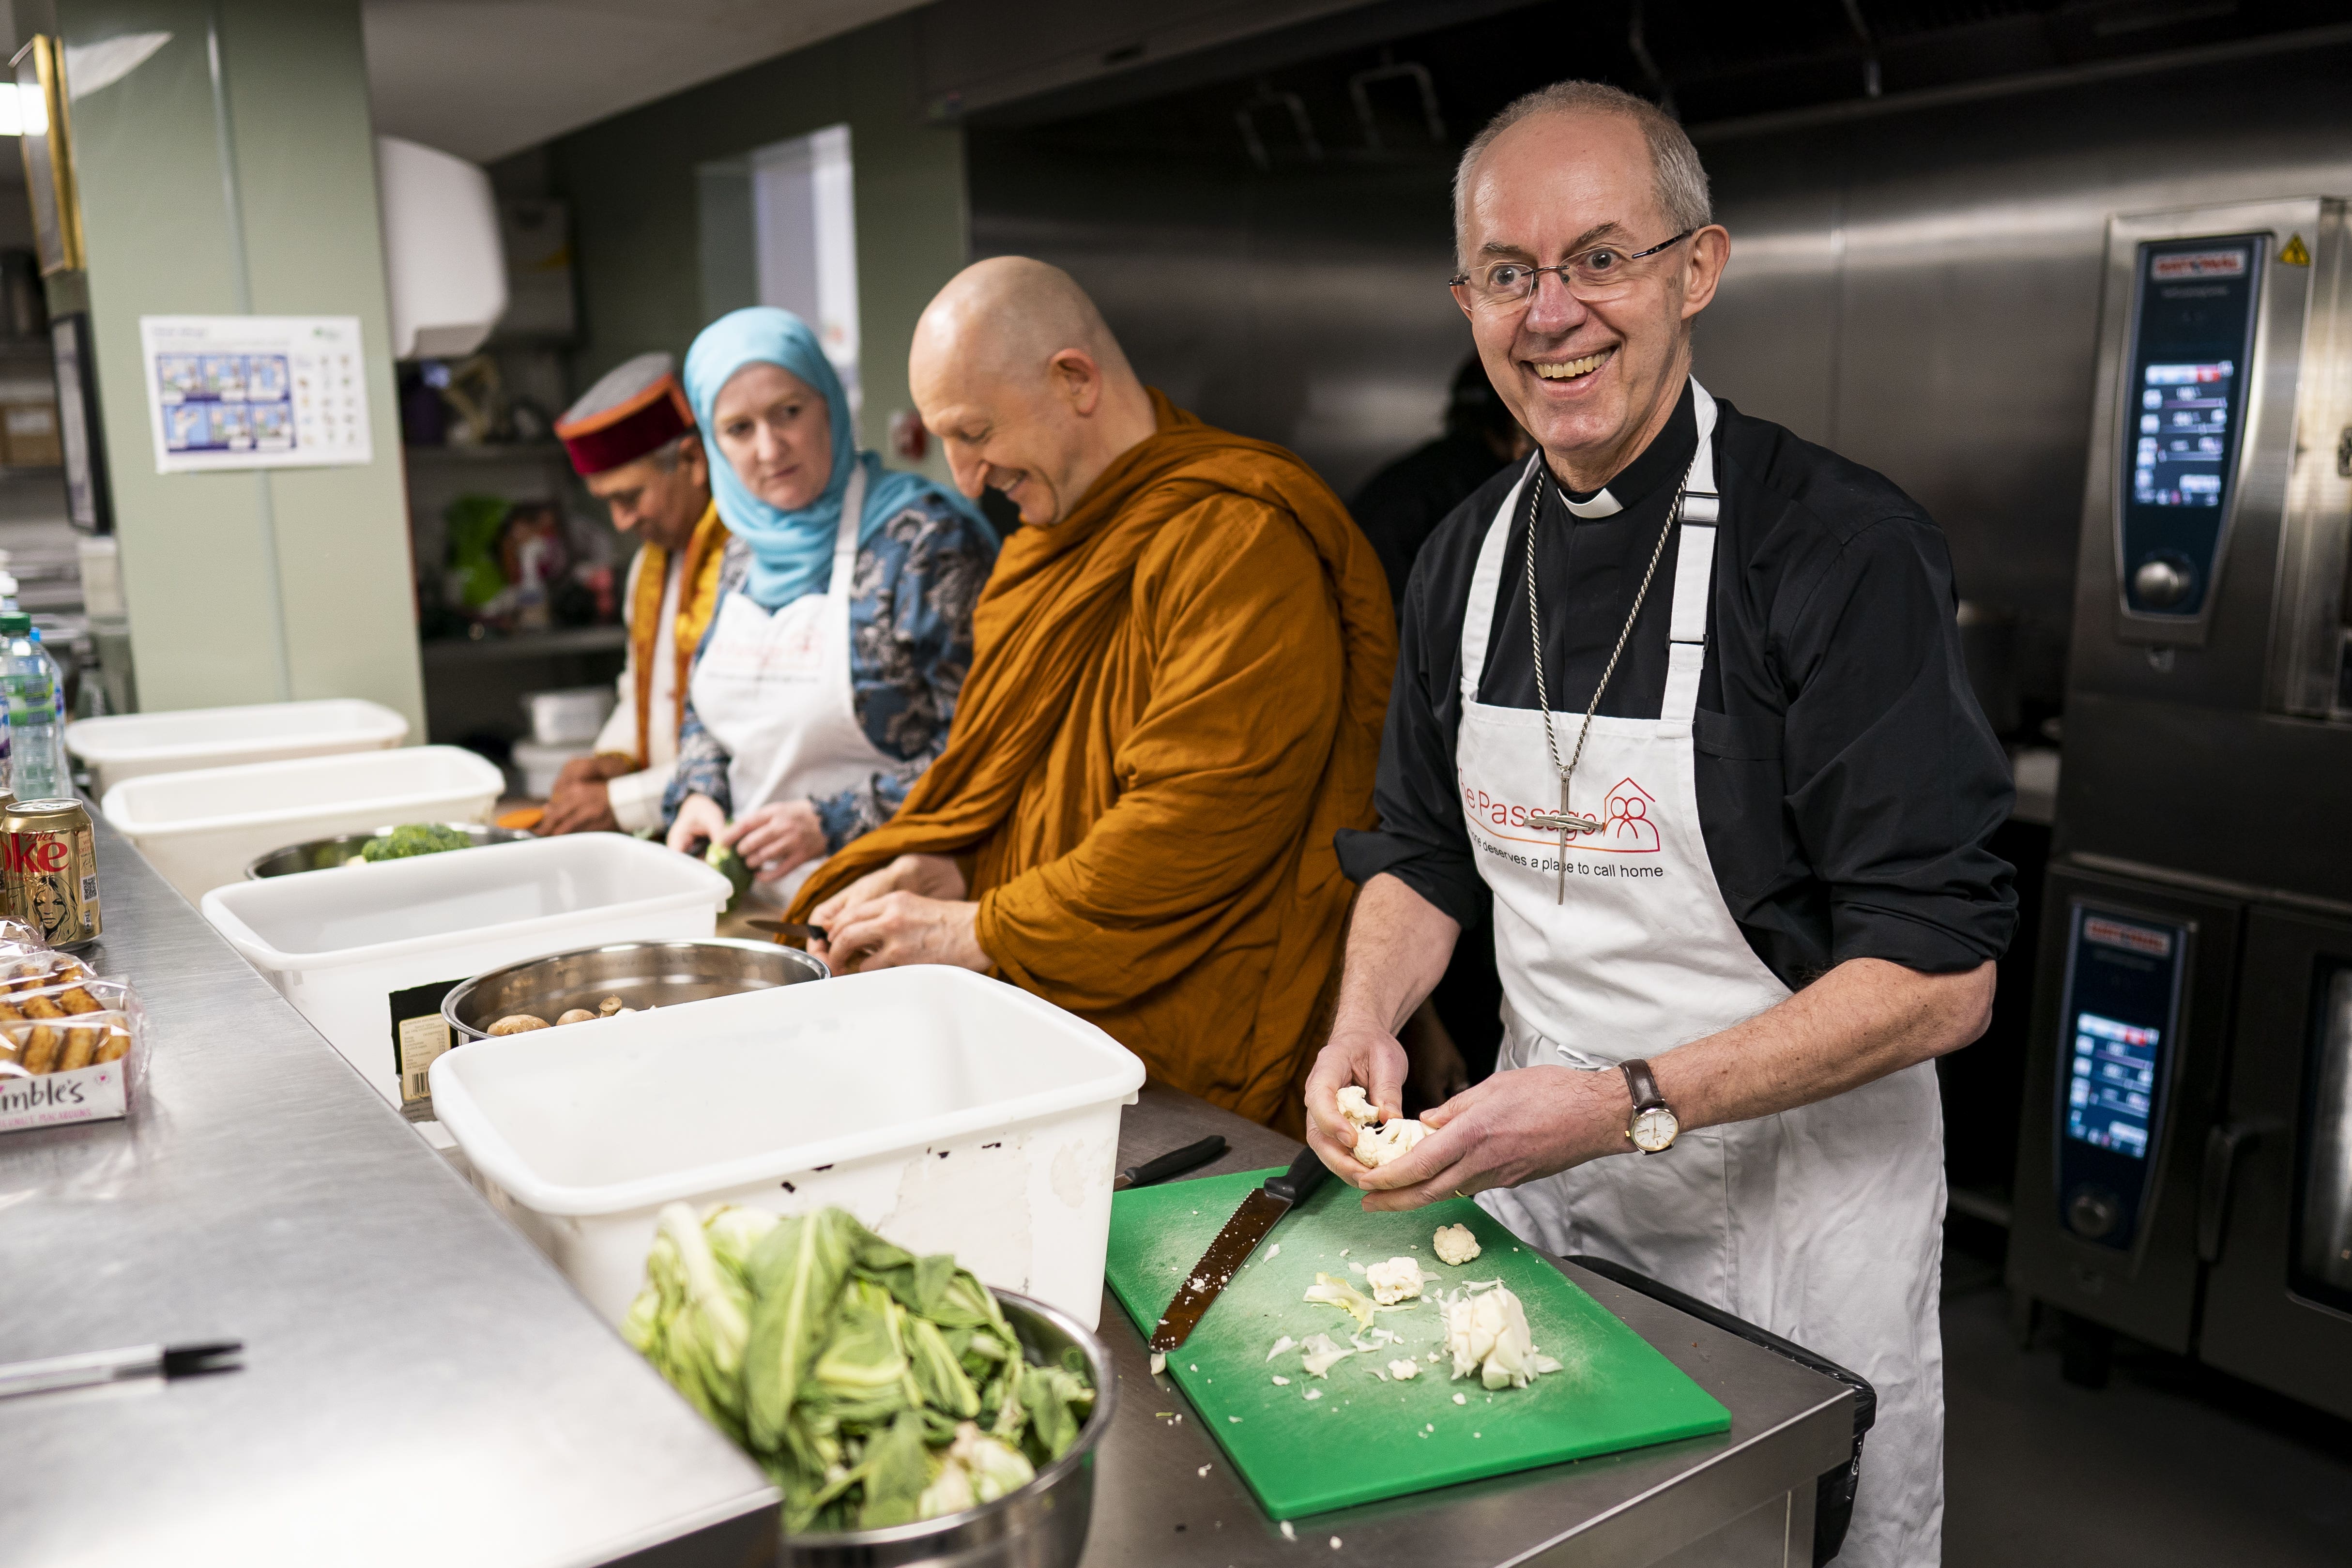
(774, 689)
(1821, 1224)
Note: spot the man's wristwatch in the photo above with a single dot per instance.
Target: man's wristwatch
(1653, 1127)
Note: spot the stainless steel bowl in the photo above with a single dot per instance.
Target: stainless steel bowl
(642, 974)
(325, 855)
(1042, 1525)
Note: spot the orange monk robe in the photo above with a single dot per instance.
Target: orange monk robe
(1175, 700)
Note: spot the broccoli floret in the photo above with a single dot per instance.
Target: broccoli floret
(414, 839)
(722, 859)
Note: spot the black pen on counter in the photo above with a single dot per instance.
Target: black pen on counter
(95, 1366)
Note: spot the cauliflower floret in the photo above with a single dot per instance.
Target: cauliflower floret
(1389, 1141)
(1453, 1244)
(1377, 1143)
(1397, 1279)
(1488, 1335)
(1405, 1370)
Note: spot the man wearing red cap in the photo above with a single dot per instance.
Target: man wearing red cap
(632, 438)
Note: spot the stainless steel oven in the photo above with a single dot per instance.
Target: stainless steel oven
(2185, 1159)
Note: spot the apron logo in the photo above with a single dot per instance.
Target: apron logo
(1627, 827)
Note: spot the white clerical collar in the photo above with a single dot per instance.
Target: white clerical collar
(1602, 504)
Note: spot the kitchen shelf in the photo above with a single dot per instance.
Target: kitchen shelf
(442, 653)
(492, 452)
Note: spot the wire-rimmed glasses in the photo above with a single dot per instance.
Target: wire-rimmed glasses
(1598, 272)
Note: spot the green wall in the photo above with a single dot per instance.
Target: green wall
(633, 184)
(254, 193)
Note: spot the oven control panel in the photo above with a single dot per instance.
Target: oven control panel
(2184, 416)
(2121, 1024)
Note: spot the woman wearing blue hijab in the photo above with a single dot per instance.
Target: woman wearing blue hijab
(826, 680)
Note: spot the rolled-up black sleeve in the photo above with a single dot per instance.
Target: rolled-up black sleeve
(1420, 841)
(1893, 781)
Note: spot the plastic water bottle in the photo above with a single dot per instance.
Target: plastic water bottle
(56, 691)
(28, 677)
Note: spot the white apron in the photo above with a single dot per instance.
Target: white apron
(775, 691)
(1821, 1224)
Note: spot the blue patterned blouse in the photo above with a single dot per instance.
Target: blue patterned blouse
(909, 646)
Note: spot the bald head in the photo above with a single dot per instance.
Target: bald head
(1009, 316)
(1016, 373)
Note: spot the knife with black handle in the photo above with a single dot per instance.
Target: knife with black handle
(1234, 1245)
(1170, 1165)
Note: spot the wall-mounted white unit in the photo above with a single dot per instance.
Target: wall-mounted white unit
(444, 262)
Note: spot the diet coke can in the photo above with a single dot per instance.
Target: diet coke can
(48, 870)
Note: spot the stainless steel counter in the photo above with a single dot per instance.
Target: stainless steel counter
(420, 1386)
(1744, 1498)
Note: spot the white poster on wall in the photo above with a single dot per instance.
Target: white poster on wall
(255, 391)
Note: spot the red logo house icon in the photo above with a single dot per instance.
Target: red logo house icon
(1625, 825)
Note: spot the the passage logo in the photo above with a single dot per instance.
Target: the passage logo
(1628, 825)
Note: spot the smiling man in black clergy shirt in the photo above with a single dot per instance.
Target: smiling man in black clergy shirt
(1735, 935)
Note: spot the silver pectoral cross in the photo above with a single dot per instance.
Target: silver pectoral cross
(1563, 822)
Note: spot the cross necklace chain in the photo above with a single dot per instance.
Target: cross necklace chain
(1565, 821)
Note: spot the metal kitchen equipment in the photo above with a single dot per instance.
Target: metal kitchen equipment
(1042, 1525)
(642, 974)
(2185, 1162)
(324, 854)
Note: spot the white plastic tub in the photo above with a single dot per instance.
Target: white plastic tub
(132, 745)
(540, 764)
(572, 716)
(202, 830)
(366, 952)
(950, 1113)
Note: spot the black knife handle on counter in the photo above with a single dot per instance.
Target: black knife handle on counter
(1173, 1163)
(1299, 1183)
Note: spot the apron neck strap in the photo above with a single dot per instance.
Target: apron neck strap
(1694, 573)
(844, 537)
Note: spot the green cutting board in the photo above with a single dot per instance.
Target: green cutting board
(1365, 1438)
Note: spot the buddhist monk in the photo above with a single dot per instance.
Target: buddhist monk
(1179, 669)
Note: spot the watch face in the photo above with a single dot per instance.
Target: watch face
(1654, 1129)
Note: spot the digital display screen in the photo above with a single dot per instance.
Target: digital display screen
(2112, 1090)
(2184, 434)
(2185, 417)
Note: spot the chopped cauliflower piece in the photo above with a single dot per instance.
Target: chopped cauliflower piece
(1455, 1245)
(1314, 1394)
(1377, 1143)
(1462, 1399)
(1285, 1343)
(1389, 1141)
(1280, 1380)
(1488, 1335)
(1333, 1291)
(1405, 1370)
(1159, 1363)
(1397, 1279)
(1318, 1355)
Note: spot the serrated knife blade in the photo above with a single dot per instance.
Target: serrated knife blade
(1231, 1248)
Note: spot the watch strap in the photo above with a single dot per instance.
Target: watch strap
(1643, 1085)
